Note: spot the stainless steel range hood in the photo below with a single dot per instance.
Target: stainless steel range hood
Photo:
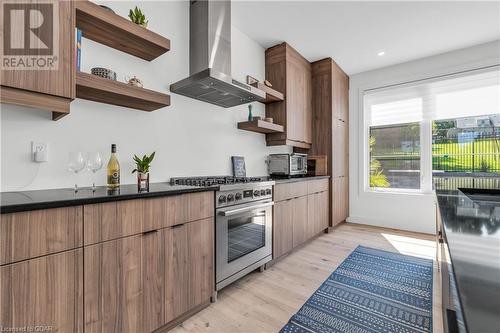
(210, 58)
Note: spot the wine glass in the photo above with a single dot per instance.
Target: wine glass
(94, 164)
(76, 163)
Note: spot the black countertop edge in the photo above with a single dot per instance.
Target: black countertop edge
(279, 180)
(13, 202)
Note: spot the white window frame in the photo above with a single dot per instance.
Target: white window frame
(425, 138)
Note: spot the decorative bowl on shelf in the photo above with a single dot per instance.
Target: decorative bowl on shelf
(104, 73)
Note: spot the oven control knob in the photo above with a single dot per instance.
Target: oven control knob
(268, 191)
(230, 197)
(256, 193)
(222, 199)
(238, 196)
(262, 192)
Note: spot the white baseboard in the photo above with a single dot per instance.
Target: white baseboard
(401, 225)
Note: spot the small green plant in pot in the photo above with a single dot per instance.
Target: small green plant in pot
(142, 168)
(137, 16)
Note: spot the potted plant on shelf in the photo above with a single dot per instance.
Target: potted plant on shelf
(142, 168)
(137, 16)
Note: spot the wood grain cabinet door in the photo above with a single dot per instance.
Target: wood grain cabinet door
(176, 271)
(324, 211)
(317, 212)
(189, 266)
(300, 221)
(282, 228)
(43, 292)
(200, 261)
(60, 80)
(340, 200)
(30, 234)
(340, 149)
(123, 285)
(295, 101)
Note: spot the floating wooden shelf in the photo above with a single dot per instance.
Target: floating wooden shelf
(108, 28)
(260, 126)
(271, 94)
(107, 91)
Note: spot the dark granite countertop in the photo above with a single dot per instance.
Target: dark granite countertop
(42, 199)
(296, 179)
(471, 223)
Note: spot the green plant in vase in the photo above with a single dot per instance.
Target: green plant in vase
(138, 17)
(142, 166)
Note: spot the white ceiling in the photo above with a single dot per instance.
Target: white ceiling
(352, 33)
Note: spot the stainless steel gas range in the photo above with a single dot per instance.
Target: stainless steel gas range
(243, 224)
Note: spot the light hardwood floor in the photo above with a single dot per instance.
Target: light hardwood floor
(263, 302)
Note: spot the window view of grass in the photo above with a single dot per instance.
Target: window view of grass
(462, 145)
(395, 156)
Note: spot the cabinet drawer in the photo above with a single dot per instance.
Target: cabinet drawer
(114, 220)
(317, 185)
(290, 190)
(39, 232)
(45, 291)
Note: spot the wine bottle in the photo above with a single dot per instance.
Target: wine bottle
(113, 169)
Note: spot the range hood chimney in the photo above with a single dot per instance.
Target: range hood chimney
(210, 58)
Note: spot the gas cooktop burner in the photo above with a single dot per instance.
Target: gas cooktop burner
(215, 180)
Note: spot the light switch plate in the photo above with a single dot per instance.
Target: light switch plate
(39, 151)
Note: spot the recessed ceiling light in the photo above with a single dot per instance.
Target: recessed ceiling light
(381, 53)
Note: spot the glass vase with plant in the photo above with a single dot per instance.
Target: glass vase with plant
(142, 166)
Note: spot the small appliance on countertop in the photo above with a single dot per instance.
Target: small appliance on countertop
(287, 165)
(243, 223)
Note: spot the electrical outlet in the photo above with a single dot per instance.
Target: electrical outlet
(40, 152)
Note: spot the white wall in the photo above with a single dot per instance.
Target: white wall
(414, 212)
(189, 137)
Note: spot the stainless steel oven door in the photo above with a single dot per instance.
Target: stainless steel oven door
(243, 237)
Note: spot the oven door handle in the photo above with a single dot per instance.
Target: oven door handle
(245, 209)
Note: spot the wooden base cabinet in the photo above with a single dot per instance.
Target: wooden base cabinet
(283, 228)
(317, 213)
(140, 283)
(301, 211)
(123, 284)
(189, 267)
(43, 294)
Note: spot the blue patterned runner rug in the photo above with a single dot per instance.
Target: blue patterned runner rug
(371, 291)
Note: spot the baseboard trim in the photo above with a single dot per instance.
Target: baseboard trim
(389, 224)
(182, 318)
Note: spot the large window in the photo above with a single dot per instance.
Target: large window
(440, 128)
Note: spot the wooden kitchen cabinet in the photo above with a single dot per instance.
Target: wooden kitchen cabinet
(189, 267)
(30, 234)
(282, 228)
(142, 282)
(317, 213)
(43, 292)
(112, 220)
(123, 284)
(51, 89)
(289, 72)
(301, 211)
(340, 158)
(300, 221)
(330, 105)
(340, 200)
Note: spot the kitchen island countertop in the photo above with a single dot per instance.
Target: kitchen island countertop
(471, 228)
